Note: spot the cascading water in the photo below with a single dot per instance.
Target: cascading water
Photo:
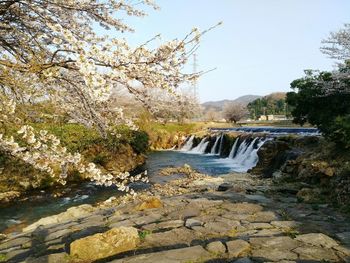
(188, 145)
(221, 144)
(234, 149)
(247, 157)
(213, 149)
(242, 157)
(200, 148)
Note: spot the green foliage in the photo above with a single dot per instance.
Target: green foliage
(144, 233)
(3, 258)
(328, 110)
(100, 159)
(140, 141)
(272, 104)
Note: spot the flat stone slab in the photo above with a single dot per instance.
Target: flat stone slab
(216, 247)
(316, 253)
(282, 243)
(317, 239)
(242, 208)
(237, 248)
(273, 254)
(189, 254)
(170, 238)
(164, 225)
(285, 224)
(52, 258)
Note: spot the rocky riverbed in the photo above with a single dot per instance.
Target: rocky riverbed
(197, 218)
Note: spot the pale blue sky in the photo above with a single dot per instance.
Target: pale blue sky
(260, 48)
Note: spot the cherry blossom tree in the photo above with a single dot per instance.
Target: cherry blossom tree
(49, 50)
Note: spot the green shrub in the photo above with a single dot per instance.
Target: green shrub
(323, 100)
(140, 141)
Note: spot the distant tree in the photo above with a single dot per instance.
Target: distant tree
(234, 112)
(212, 115)
(274, 103)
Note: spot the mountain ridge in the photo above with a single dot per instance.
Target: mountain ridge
(219, 104)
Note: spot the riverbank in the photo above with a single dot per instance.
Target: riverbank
(196, 218)
(20, 181)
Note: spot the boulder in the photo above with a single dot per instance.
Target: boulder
(272, 155)
(112, 242)
(152, 202)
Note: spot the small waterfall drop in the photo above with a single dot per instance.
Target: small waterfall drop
(247, 154)
(188, 145)
(221, 144)
(234, 149)
(200, 148)
(213, 149)
(243, 154)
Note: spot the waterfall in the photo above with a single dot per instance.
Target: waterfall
(247, 154)
(242, 157)
(188, 145)
(234, 149)
(221, 144)
(213, 150)
(200, 148)
(253, 158)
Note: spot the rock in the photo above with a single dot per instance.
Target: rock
(343, 250)
(267, 233)
(243, 208)
(272, 155)
(316, 253)
(188, 254)
(285, 224)
(243, 260)
(224, 187)
(222, 226)
(317, 239)
(281, 243)
(125, 223)
(237, 248)
(152, 202)
(14, 242)
(164, 225)
(216, 247)
(52, 258)
(9, 196)
(257, 226)
(106, 244)
(192, 222)
(144, 220)
(258, 198)
(2, 237)
(170, 238)
(71, 214)
(307, 195)
(265, 216)
(18, 255)
(273, 254)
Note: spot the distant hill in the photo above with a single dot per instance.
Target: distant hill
(218, 105)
